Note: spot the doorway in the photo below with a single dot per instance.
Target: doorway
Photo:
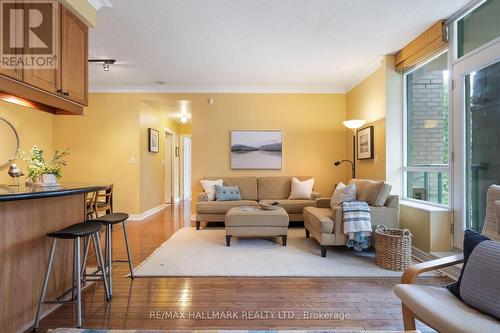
(186, 167)
(477, 78)
(168, 163)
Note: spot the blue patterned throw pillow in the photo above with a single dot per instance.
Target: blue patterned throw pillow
(227, 193)
(479, 281)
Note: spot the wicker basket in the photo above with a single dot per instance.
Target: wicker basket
(392, 248)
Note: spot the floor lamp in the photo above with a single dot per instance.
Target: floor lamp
(353, 124)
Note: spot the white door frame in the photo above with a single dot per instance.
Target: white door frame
(483, 57)
(184, 197)
(174, 168)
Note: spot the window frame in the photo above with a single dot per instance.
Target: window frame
(453, 33)
(443, 168)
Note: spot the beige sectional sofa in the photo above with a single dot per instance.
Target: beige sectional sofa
(325, 223)
(253, 191)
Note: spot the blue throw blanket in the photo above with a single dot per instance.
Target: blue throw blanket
(357, 224)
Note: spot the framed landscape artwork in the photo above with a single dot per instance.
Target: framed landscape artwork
(154, 140)
(256, 150)
(364, 139)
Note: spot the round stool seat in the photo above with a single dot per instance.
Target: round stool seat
(112, 218)
(77, 230)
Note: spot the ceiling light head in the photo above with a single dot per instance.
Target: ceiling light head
(354, 123)
(184, 119)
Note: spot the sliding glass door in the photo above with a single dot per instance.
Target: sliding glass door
(477, 135)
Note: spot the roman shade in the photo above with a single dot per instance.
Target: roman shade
(428, 43)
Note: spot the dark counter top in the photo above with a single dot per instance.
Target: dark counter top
(10, 193)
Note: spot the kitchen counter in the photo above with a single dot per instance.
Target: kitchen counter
(27, 214)
(10, 193)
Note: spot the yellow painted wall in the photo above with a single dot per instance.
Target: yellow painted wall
(33, 127)
(112, 132)
(313, 134)
(152, 169)
(152, 173)
(367, 101)
(378, 100)
(430, 226)
(185, 129)
(102, 142)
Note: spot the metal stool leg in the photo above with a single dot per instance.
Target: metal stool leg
(73, 283)
(109, 258)
(128, 250)
(85, 255)
(45, 284)
(78, 284)
(100, 260)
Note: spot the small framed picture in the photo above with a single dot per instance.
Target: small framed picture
(154, 140)
(364, 139)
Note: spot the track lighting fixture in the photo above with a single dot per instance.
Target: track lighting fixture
(105, 63)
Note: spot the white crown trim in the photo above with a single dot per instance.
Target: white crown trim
(363, 74)
(98, 4)
(217, 89)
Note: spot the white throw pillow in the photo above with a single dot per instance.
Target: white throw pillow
(209, 187)
(343, 193)
(301, 189)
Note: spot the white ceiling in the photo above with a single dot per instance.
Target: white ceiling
(252, 45)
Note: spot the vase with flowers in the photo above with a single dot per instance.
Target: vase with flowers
(40, 171)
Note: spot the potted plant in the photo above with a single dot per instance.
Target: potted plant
(41, 172)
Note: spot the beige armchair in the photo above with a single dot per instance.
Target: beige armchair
(439, 308)
(326, 225)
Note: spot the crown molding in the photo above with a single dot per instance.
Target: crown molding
(364, 74)
(98, 4)
(217, 89)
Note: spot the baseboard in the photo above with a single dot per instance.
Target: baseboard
(142, 216)
(452, 272)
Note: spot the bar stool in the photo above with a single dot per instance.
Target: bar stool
(104, 202)
(109, 220)
(75, 232)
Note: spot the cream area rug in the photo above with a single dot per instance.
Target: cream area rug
(191, 252)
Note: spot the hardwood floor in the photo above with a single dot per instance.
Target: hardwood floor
(146, 303)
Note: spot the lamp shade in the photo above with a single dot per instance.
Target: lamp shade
(354, 123)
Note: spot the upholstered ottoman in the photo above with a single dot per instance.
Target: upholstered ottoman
(256, 222)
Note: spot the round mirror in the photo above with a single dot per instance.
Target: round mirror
(9, 143)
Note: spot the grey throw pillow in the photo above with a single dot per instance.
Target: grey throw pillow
(227, 193)
(480, 287)
(479, 281)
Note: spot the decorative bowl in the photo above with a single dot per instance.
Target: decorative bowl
(273, 206)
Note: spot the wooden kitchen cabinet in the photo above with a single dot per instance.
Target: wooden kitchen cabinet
(44, 79)
(14, 73)
(74, 57)
(62, 90)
